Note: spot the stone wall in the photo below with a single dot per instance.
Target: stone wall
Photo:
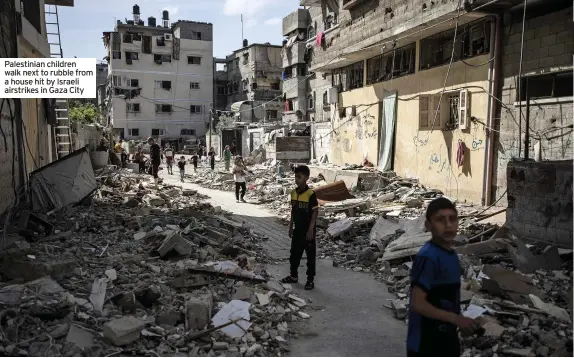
(549, 46)
(321, 139)
(540, 200)
(85, 135)
(188, 27)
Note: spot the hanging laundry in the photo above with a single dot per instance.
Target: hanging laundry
(319, 40)
(460, 153)
(286, 106)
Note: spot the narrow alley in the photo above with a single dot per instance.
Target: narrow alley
(348, 317)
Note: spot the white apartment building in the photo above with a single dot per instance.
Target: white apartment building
(160, 78)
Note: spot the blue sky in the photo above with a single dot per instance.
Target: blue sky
(81, 26)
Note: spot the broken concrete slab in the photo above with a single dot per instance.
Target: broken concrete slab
(482, 248)
(174, 242)
(527, 262)
(153, 200)
(339, 227)
(243, 293)
(123, 331)
(98, 293)
(382, 231)
(80, 337)
(508, 284)
(274, 286)
(550, 309)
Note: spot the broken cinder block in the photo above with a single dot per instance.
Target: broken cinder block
(198, 311)
(123, 331)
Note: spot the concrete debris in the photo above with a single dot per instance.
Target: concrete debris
(141, 267)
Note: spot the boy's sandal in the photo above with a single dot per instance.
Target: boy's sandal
(310, 285)
(289, 279)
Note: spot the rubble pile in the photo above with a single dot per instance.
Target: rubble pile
(141, 270)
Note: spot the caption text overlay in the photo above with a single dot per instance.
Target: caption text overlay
(48, 77)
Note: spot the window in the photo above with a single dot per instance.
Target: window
(134, 132)
(246, 58)
(163, 108)
(133, 107)
(326, 105)
(187, 132)
(330, 21)
(472, 39)
(116, 81)
(165, 85)
(195, 35)
(159, 59)
(276, 86)
(32, 13)
(195, 85)
(349, 77)
(160, 41)
(310, 102)
(301, 70)
(236, 87)
(392, 64)
(195, 109)
(116, 55)
(551, 85)
(132, 55)
(133, 82)
(157, 132)
(193, 60)
(428, 105)
(453, 102)
(272, 114)
(127, 38)
(245, 85)
(221, 90)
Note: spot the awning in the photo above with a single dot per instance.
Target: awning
(236, 107)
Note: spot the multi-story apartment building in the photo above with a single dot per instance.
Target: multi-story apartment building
(430, 89)
(250, 85)
(160, 78)
(28, 123)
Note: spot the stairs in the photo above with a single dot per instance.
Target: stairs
(62, 132)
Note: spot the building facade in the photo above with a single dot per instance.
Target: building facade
(160, 78)
(419, 88)
(250, 84)
(26, 144)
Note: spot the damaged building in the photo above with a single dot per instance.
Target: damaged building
(31, 134)
(160, 78)
(249, 86)
(430, 90)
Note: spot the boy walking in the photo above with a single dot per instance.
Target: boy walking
(434, 313)
(194, 161)
(304, 211)
(169, 159)
(181, 166)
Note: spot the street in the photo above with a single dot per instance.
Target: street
(348, 318)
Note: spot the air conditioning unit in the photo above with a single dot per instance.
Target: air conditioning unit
(332, 95)
(168, 37)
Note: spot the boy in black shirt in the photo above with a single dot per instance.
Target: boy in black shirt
(181, 166)
(155, 156)
(434, 313)
(304, 211)
(194, 161)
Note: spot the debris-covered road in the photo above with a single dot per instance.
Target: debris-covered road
(348, 317)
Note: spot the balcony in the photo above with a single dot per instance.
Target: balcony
(295, 87)
(298, 19)
(294, 55)
(267, 95)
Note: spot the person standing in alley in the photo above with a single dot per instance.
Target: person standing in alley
(211, 156)
(227, 157)
(194, 161)
(200, 152)
(155, 156)
(434, 313)
(233, 148)
(239, 172)
(181, 166)
(304, 211)
(169, 158)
